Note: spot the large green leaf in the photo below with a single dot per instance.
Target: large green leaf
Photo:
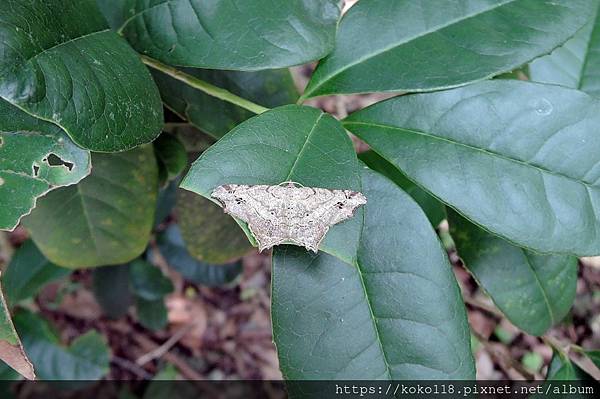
(576, 63)
(60, 62)
(395, 313)
(35, 157)
(87, 358)
(233, 35)
(209, 234)
(11, 349)
(105, 219)
(433, 208)
(215, 117)
(27, 273)
(518, 158)
(422, 45)
(291, 142)
(534, 291)
(173, 249)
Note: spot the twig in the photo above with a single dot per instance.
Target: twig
(164, 348)
(206, 87)
(184, 368)
(132, 367)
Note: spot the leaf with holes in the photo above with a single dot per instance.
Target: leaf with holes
(60, 62)
(504, 152)
(423, 45)
(368, 319)
(292, 142)
(575, 64)
(105, 219)
(232, 34)
(270, 88)
(534, 291)
(35, 158)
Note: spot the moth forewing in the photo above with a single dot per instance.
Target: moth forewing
(286, 214)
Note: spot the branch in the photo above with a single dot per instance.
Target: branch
(206, 87)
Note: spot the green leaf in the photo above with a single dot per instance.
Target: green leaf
(148, 281)
(270, 88)
(395, 313)
(28, 272)
(61, 63)
(238, 35)
(534, 291)
(291, 142)
(151, 314)
(35, 157)
(440, 44)
(209, 234)
(575, 64)
(173, 248)
(520, 159)
(105, 219)
(87, 358)
(594, 357)
(11, 349)
(171, 157)
(434, 209)
(110, 285)
(167, 198)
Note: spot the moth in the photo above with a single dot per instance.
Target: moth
(288, 213)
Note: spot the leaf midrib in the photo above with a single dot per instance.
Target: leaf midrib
(405, 40)
(542, 289)
(304, 146)
(472, 148)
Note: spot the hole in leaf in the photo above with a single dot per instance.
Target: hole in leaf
(36, 170)
(54, 160)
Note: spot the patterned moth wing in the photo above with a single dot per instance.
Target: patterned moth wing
(286, 214)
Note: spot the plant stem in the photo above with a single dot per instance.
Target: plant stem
(206, 87)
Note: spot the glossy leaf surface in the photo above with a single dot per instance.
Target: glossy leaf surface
(233, 35)
(576, 63)
(395, 313)
(60, 62)
(433, 208)
(295, 143)
(423, 45)
(534, 291)
(500, 152)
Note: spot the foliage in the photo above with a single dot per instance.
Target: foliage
(512, 165)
